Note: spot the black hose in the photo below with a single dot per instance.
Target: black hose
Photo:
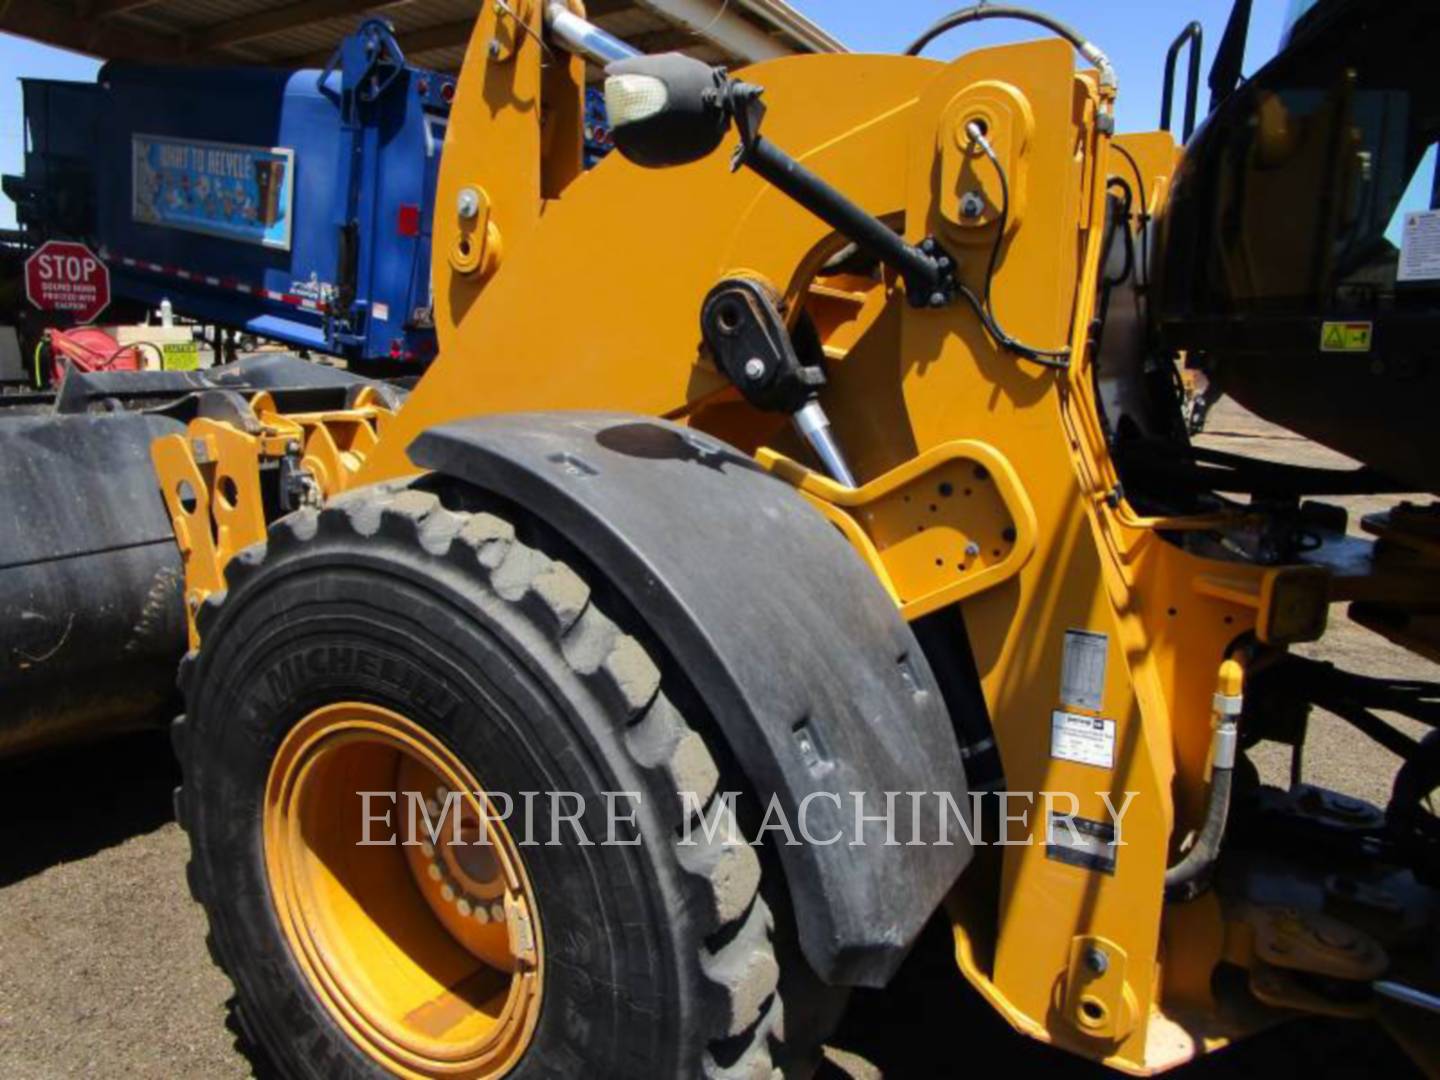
(1188, 878)
(1051, 358)
(992, 11)
(1005, 11)
(1142, 276)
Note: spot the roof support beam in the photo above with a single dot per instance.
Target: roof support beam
(278, 20)
(780, 14)
(107, 9)
(598, 9)
(444, 36)
(62, 25)
(716, 22)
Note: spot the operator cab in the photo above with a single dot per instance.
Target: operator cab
(1299, 253)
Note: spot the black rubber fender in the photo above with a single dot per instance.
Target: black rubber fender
(813, 678)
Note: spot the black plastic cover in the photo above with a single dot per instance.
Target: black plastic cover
(690, 126)
(801, 657)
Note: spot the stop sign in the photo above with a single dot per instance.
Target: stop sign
(67, 277)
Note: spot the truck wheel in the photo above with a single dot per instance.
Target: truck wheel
(379, 655)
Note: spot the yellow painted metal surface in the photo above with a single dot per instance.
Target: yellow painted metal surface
(598, 307)
(949, 523)
(210, 478)
(455, 941)
(906, 383)
(567, 291)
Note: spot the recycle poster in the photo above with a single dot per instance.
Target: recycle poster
(220, 189)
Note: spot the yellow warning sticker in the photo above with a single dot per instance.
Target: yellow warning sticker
(1345, 336)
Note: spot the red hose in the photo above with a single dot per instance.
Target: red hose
(88, 348)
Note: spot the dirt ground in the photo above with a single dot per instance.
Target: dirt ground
(103, 969)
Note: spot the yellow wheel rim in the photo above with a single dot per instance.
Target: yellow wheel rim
(427, 953)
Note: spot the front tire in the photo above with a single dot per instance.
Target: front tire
(502, 666)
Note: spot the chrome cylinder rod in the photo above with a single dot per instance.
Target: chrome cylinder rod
(1408, 995)
(815, 426)
(583, 38)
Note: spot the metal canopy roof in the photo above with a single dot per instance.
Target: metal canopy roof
(433, 33)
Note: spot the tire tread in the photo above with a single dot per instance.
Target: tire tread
(742, 970)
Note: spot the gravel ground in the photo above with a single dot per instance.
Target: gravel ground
(103, 969)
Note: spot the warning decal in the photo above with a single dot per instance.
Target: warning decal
(1345, 337)
(1420, 247)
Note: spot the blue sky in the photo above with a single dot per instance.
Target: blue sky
(1135, 34)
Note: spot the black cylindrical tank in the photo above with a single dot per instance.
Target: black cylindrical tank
(92, 618)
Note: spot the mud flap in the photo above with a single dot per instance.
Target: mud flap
(815, 681)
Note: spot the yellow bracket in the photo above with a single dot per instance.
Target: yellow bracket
(210, 478)
(187, 497)
(1094, 996)
(939, 528)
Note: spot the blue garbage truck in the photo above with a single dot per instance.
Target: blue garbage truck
(293, 206)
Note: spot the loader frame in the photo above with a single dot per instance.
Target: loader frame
(986, 485)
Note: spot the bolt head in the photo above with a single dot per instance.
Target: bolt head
(1097, 960)
(972, 205)
(937, 299)
(755, 369)
(467, 203)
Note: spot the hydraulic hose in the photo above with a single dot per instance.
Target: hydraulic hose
(1083, 46)
(1188, 877)
(984, 307)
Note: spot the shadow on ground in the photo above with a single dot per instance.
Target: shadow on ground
(69, 804)
(929, 1023)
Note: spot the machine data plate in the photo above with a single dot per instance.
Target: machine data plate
(1088, 740)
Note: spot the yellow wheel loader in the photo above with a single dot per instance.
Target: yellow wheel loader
(835, 561)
